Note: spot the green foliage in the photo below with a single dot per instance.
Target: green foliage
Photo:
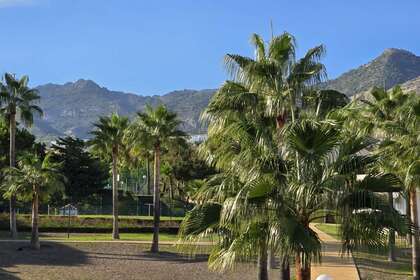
(108, 136)
(33, 174)
(25, 142)
(155, 127)
(17, 98)
(86, 175)
(285, 156)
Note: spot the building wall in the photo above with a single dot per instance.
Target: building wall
(400, 204)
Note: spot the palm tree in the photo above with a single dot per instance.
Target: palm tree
(277, 75)
(262, 201)
(108, 143)
(17, 101)
(264, 89)
(379, 110)
(392, 117)
(154, 129)
(34, 179)
(401, 151)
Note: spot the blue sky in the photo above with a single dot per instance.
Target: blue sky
(155, 46)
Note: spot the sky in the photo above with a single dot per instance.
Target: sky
(156, 46)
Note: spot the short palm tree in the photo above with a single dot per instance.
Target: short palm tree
(17, 101)
(154, 129)
(108, 143)
(34, 180)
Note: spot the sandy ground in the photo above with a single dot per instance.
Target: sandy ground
(107, 261)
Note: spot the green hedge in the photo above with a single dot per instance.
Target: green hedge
(89, 224)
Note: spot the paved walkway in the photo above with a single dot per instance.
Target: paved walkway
(333, 263)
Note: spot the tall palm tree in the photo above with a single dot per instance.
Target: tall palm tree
(17, 101)
(276, 74)
(391, 116)
(380, 109)
(155, 128)
(108, 143)
(401, 151)
(267, 197)
(271, 86)
(34, 179)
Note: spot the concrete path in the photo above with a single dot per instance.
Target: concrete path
(333, 263)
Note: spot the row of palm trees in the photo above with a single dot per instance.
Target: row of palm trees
(115, 139)
(17, 100)
(290, 154)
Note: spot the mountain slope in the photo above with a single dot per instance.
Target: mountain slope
(412, 85)
(73, 107)
(392, 67)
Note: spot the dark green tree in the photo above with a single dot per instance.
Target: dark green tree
(86, 175)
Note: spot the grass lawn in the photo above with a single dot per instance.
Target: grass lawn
(93, 236)
(375, 264)
(330, 229)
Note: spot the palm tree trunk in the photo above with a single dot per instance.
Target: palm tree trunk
(115, 229)
(262, 264)
(285, 269)
(149, 191)
(156, 201)
(35, 217)
(271, 263)
(391, 235)
(415, 236)
(12, 160)
(408, 213)
(303, 269)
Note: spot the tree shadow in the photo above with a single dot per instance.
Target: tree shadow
(18, 253)
(6, 275)
(162, 256)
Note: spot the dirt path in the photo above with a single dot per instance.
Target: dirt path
(333, 264)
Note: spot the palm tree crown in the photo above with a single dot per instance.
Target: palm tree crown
(33, 180)
(108, 135)
(17, 98)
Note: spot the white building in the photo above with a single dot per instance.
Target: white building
(400, 204)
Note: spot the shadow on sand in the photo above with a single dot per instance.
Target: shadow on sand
(13, 254)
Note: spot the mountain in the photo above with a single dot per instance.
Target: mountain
(412, 85)
(70, 109)
(73, 107)
(392, 67)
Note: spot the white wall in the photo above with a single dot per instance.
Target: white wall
(400, 204)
